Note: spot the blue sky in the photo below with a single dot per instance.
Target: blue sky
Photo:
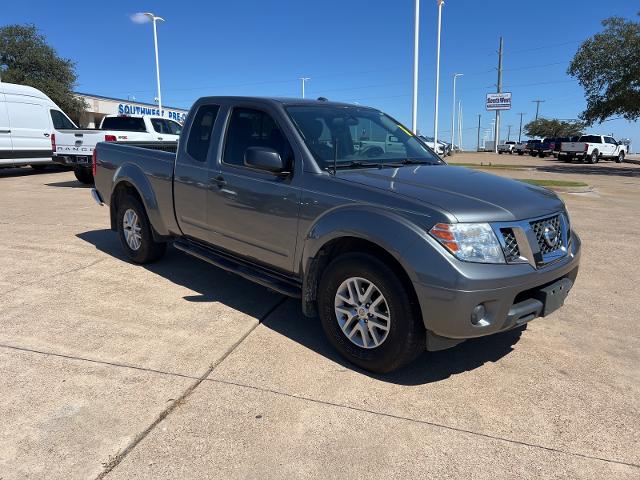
(353, 50)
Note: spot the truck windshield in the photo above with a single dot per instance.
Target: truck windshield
(127, 124)
(357, 136)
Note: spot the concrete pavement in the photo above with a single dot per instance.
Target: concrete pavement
(179, 370)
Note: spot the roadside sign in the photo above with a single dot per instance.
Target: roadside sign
(499, 101)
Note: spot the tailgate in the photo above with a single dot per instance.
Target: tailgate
(77, 142)
(572, 147)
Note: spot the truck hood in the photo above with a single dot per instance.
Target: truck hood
(468, 195)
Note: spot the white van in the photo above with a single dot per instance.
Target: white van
(28, 119)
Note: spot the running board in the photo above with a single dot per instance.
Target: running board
(262, 276)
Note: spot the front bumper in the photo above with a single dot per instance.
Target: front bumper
(511, 295)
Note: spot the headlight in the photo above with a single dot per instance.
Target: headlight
(471, 242)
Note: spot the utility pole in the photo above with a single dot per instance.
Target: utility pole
(537, 102)
(479, 118)
(497, 130)
(520, 132)
(304, 80)
(416, 36)
(509, 132)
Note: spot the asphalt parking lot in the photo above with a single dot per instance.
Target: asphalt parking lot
(179, 370)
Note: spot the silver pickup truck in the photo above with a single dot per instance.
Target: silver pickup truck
(393, 249)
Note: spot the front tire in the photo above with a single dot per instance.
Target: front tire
(368, 314)
(84, 175)
(620, 158)
(134, 231)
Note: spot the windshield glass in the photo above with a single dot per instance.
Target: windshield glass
(357, 136)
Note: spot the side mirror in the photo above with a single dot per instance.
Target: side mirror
(263, 158)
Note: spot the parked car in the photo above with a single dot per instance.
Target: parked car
(73, 147)
(392, 248)
(544, 147)
(443, 149)
(532, 147)
(506, 147)
(592, 148)
(520, 148)
(29, 121)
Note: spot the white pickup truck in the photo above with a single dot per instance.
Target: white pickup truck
(74, 147)
(506, 147)
(592, 148)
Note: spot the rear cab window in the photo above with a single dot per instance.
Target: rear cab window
(200, 134)
(127, 124)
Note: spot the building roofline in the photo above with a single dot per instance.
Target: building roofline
(129, 101)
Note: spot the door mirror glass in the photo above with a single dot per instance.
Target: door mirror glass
(263, 158)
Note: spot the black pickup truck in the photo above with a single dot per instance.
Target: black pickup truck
(341, 206)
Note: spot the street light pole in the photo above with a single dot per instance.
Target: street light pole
(155, 44)
(416, 36)
(453, 110)
(435, 121)
(304, 80)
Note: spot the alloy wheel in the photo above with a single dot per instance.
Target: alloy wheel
(362, 312)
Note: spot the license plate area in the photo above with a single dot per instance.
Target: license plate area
(553, 296)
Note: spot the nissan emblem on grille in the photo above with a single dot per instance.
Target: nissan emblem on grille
(550, 234)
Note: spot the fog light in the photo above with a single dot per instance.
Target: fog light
(477, 316)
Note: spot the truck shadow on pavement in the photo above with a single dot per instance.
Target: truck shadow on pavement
(428, 368)
(68, 184)
(215, 285)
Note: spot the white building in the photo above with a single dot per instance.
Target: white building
(99, 107)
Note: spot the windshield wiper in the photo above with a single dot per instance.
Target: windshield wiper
(356, 164)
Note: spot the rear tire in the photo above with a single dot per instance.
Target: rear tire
(134, 231)
(84, 175)
(620, 158)
(593, 158)
(542, 154)
(520, 153)
(404, 338)
(499, 152)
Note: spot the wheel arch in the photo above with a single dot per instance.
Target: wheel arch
(357, 230)
(129, 179)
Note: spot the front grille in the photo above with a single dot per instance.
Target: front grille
(548, 224)
(511, 249)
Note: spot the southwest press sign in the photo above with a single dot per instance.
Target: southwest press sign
(499, 101)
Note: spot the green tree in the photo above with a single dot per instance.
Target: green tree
(607, 66)
(545, 127)
(26, 59)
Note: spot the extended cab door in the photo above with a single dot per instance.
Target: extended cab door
(195, 163)
(254, 213)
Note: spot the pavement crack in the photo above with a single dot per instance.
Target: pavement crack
(426, 422)
(115, 460)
